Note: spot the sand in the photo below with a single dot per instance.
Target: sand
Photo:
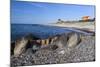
(81, 25)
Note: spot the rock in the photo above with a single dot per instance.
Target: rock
(73, 39)
(83, 52)
(12, 47)
(20, 46)
(66, 41)
(24, 43)
(35, 47)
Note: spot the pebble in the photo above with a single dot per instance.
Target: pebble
(83, 52)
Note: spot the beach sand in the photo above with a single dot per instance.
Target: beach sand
(81, 25)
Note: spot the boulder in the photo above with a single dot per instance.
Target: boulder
(35, 46)
(73, 39)
(20, 46)
(66, 41)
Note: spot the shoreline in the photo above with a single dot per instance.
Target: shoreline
(84, 51)
(90, 26)
(81, 27)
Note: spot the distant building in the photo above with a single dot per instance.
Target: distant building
(85, 18)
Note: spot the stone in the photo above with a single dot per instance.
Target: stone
(73, 39)
(66, 41)
(20, 46)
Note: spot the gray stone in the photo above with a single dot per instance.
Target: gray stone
(83, 52)
(20, 46)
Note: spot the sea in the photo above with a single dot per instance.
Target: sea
(38, 30)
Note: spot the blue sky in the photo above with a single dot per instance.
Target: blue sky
(43, 13)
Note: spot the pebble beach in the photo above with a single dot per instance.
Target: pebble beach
(83, 52)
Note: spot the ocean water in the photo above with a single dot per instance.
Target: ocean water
(40, 31)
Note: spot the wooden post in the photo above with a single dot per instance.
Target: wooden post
(47, 41)
(43, 42)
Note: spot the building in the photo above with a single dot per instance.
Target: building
(85, 18)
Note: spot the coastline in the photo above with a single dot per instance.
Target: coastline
(90, 26)
(82, 52)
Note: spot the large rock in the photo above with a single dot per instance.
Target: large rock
(20, 46)
(66, 41)
(73, 39)
(83, 52)
(35, 46)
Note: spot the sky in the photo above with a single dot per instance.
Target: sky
(43, 13)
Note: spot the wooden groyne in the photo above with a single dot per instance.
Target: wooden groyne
(45, 41)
